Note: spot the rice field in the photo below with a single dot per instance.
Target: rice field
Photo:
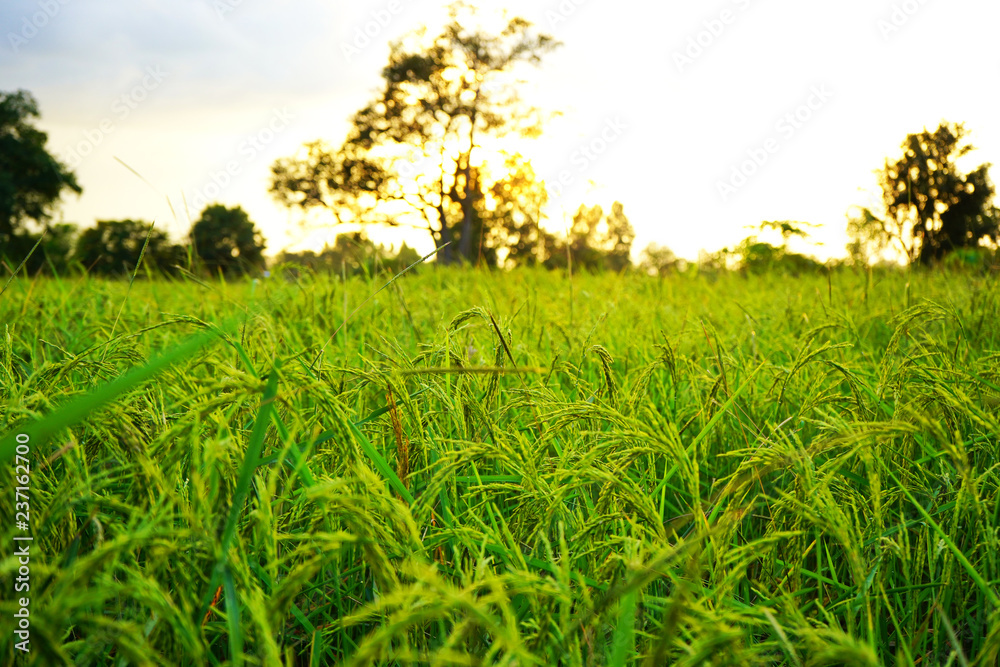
(471, 468)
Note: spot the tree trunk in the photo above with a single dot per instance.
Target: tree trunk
(445, 238)
(468, 210)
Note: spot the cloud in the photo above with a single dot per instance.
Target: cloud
(219, 52)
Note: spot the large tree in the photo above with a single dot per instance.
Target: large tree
(31, 180)
(227, 240)
(418, 147)
(931, 208)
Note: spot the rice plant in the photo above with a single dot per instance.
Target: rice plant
(489, 469)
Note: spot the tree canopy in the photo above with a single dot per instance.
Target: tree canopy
(352, 253)
(226, 240)
(31, 179)
(512, 214)
(596, 241)
(113, 247)
(931, 208)
(416, 150)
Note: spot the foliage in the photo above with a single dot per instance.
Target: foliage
(679, 472)
(353, 254)
(787, 228)
(595, 241)
(415, 152)
(931, 208)
(31, 180)
(659, 260)
(113, 247)
(759, 257)
(754, 256)
(974, 259)
(52, 255)
(227, 241)
(512, 213)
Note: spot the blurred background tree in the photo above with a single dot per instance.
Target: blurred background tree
(659, 260)
(227, 241)
(31, 184)
(113, 247)
(591, 245)
(352, 253)
(512, 213)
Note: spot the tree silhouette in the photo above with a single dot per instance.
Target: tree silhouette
(656, 259)
(31, 180)
(931, 208)
(113, 247)
(619, 239)
(226, 240)
(593, 246)
(49, 251)
(512, 212)
(417, 148)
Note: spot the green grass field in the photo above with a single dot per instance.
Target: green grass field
(505, 469)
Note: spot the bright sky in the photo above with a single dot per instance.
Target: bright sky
(670, 101)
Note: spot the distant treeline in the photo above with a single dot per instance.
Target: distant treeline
(932, 214)
(225, 242)
(222, 240)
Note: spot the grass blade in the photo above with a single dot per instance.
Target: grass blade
(43, 430)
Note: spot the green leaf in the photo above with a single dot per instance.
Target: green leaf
(42, 431)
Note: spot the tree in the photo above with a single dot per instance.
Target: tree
(418, 148)
(619, 237)
(930, 207)
(353, 253)
(512, 212)
(53, 253)
(113, 247)
(659, 260)
(227, 240)
(760, 257)
(31, 180)
(593, 246)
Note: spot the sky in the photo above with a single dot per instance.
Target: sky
(703, 118)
